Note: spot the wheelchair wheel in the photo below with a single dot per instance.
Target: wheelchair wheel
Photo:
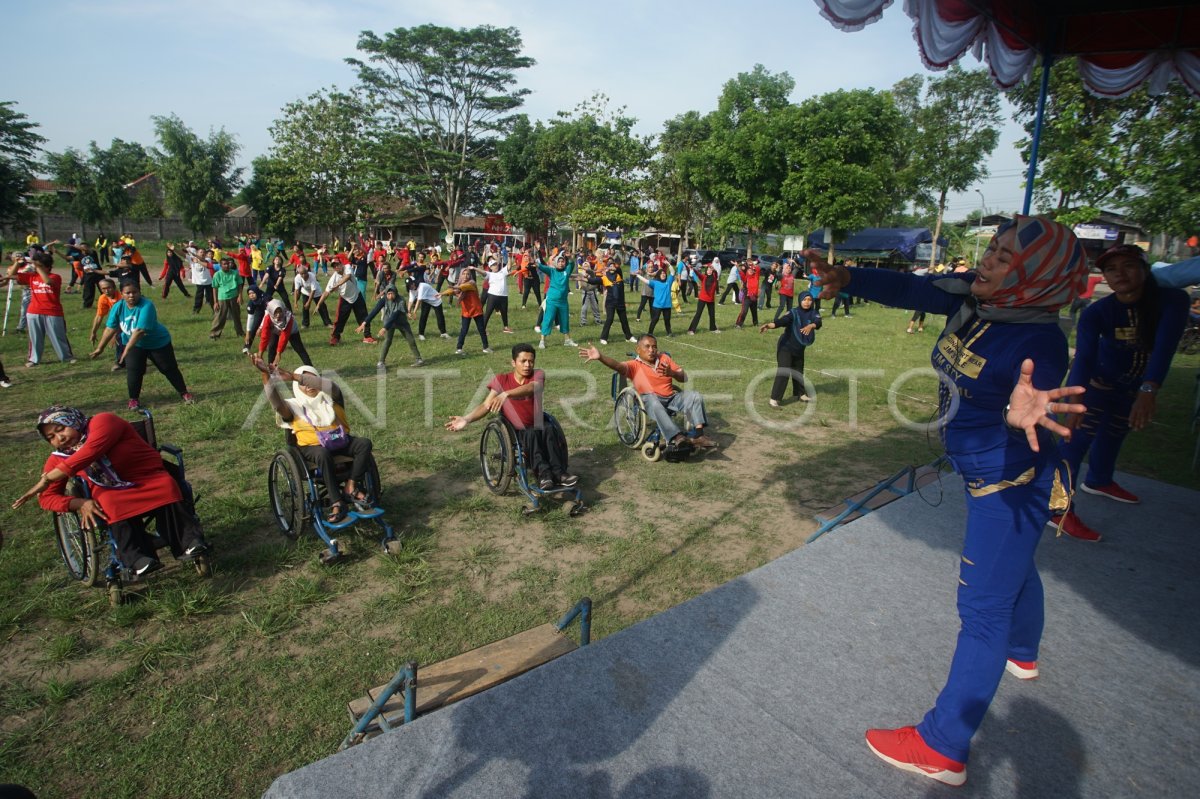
(629, 418)
(286, 483)
(81, 549)
(496, 456)
(652, 452)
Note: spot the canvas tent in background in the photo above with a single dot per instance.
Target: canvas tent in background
(1120, 44)
(894, 247)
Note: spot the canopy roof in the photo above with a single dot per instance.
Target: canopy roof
(1120, 44)
(879, 242)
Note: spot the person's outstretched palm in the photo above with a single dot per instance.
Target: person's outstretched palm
(1029, 407)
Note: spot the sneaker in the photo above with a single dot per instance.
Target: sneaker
(1022, 669)
(487, 350)
(716, 331)
(805, 398)
(380, 365)
(145, 565)
(133, 405)
(420, 338)
(603, 341)
(245, 350)
(1073, 526)
(419, 362)
(1112, 491)
(569, 343)
(333, 341)
(567, 479)
(198, 548)
(906, 750)
(5, 384)
(537, 330)
(773, 403)
(458, 352)
(508, 330)
(691, 332)
(542, 344)
(188, 399)
(72, 360)
(633, 340)
(445, 335)
(545, 484)
(369, 340)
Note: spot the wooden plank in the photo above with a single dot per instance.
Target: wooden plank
(471, 672)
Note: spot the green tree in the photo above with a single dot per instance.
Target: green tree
(19, 145)
(600, 166)
(523, 183)
(674, 174)
(442, 96)
(1086, 148)
(198, 175)
(319, 160)
(278, 203)
(843, 147)
(99, 179)
(746, 154)
(1165, 168)
(951, 133)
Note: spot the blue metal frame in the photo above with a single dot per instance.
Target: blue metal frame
(406, 679)
(532, 492)
(860, 506)
(1047, 63)
(653, 437)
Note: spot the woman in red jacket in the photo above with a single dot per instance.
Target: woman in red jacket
(127, 483)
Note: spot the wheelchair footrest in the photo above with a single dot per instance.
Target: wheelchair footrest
(374, 513)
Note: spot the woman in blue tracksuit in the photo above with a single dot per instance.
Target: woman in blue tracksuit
(1123, 350)
(800, 326)
(1001, 361)
(556, 312)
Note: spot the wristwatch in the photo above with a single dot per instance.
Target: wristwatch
(1148, 388)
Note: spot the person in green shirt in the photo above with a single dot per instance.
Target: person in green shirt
(227, 284)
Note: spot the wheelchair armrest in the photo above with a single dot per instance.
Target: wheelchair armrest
(174, 452)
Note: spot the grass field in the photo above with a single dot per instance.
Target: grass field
(213, 688)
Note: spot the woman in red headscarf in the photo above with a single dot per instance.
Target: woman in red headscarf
(1001, 361)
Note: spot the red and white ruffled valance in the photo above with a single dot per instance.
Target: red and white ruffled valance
(1118, 50)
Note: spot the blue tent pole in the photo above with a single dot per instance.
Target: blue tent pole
(1047, 62)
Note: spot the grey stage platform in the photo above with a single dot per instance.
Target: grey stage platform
(763, 687)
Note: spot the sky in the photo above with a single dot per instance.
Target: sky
(234, 64)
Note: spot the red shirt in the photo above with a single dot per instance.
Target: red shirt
(786, 285)
(750, 279)
(521, 411)
(707, 287)
(43, 295)
(243, 261)
(132, 459)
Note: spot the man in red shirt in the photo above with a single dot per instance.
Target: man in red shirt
(652, 374)
(518, 395)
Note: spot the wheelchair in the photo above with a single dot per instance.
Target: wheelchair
(501, 458)
(84, 551)
(632, 422)
(298, 497)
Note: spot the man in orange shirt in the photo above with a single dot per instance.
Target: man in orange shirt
(652, 374)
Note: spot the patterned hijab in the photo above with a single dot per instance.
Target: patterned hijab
(100, 472)
(1049, 269)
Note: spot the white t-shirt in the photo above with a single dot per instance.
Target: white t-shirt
(306, 284)
(201, 276)
(426, 293)
(497, 282)
(349, 289)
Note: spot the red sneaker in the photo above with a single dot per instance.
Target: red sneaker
(1073, 526)
(369, 340)
(1022, 669)
(906, 750)
(1112, 491)
(333, 341)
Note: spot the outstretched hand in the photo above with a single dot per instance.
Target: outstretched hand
(589, 353)
(1030, 408)
(457, 423)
